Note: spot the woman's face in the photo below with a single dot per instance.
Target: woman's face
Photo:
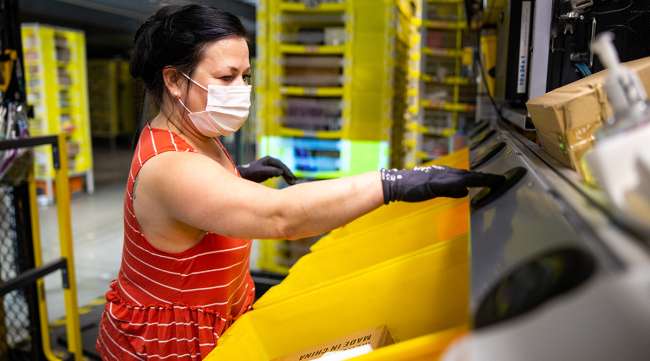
(224, 62)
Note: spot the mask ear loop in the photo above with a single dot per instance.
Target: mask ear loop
(183, 104)
(193, 81)
(188, 120)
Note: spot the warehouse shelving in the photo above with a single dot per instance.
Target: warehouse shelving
(111, 98)
(414, 74)
(315, 7)
(442, 94)
(406, 30)
(444, 25)
(306, 49)
(55, 71)
(448, 107)
(444, 132)
(452, 80)
(445, 2)
(323, 56)
(312, 91)
(442, 52)
(330, 78)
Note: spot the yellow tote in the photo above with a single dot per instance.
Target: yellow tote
(367, 248)
(459, 159)
(413, 295)
(424, 348)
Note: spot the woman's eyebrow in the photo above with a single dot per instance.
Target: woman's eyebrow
(236, 69)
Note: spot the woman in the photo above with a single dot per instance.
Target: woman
(189, 212)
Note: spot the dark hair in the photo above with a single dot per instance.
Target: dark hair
(175, 36)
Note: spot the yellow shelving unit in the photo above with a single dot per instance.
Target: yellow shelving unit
(320, 61)
(414, 89)
(331, 88)
(444, 25)
(439, 52)
(111, 98)
(442, 95)
(407, 27)
(445, 2)
(312, 91)
(451, 80)
(55, 72)
(448, 107)
(312, 7)
(316, 49)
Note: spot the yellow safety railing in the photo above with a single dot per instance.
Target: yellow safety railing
(66, 262)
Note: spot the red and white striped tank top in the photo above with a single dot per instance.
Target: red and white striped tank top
(171, 306)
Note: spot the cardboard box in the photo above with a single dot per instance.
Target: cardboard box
(567, 118)
(376, 338)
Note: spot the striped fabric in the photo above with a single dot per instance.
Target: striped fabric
(166, 306)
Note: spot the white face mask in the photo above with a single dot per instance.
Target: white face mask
(226, 109)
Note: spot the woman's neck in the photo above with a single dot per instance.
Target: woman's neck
(175, 122)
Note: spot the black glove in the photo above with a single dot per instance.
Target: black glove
(265, 168)
(423, 183)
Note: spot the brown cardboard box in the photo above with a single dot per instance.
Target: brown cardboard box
(568, 117)
(376, 337)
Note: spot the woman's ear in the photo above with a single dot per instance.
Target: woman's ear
(174, 81)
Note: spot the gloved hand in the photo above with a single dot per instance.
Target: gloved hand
(423, 183)
(265, 168)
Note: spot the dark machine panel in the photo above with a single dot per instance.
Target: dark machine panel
(573, 29)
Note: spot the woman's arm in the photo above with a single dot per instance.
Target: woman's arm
(322, 206)
(197, 191)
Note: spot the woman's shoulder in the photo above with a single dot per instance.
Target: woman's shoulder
(169, 163)
(154, 141)
(161, 152)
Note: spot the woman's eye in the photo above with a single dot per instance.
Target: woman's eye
(247, 78)
(226, 78)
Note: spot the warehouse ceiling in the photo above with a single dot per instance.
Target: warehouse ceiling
(110, 24)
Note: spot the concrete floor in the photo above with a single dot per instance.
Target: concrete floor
(97, 232)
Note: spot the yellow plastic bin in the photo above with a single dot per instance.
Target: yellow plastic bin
(413, 295)
(365, 249)
(438, 212)
(459, 159)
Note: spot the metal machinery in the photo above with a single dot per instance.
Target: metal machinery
(550, 251)
(556, 273)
